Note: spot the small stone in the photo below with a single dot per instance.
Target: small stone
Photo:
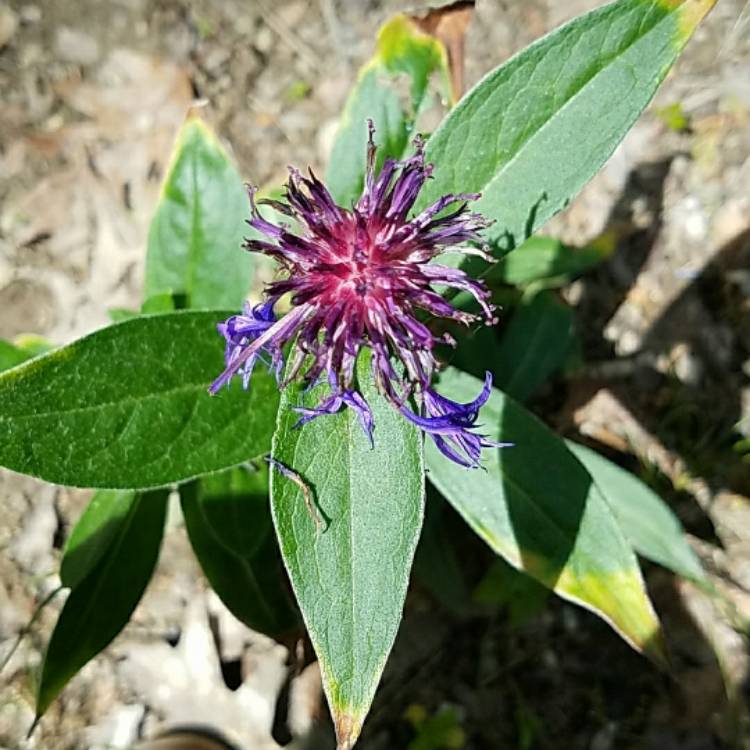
(550, 660)
(291, 13)
(216, 61)
(743, 426)
(687, 366)
(605, 737)
(31, 14)
(264, 40)
(629, 342)
(76, 46)
(30, 54)
(570, 620)
(119, 729)
(573, 293)
(8, 25)
(693, 217)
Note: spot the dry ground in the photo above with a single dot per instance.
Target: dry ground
(92, 93)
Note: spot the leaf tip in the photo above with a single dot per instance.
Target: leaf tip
(655, 649)
(400, 37)
(692, 13)
(34, 724)
(689, 14)
(348, 726)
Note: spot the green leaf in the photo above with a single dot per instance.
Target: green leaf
(547, 259)
(505, 586)
(160, 303)
(11, 355)
(536, 342)
(22, 348)
(647, 521)
(350, 574)
(403, 51)
(537, 507)
(156, 304)
(674, 117)
(441, 731)
(236, 507)
(533, 132)
(229, 525)
(195, 240)
(127, 407)
(33, 344)
(118, 314)
(100, 605)
(534, 345)
(436, 564)
(95, 531)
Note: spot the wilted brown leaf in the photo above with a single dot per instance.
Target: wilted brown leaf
(448, 24)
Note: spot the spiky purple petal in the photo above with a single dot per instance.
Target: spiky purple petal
(334, 404)
(450, 424)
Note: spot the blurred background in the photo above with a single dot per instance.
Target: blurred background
(92, 94)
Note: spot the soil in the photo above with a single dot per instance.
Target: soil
(92, 95)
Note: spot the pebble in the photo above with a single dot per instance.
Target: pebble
(8, 25)
(30, 54)
(687, 366)
(694, 219)
(605, 737)
(264, 40)
(31, 14)
(76, 46)
(626, 343)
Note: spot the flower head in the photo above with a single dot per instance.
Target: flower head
(364, 277)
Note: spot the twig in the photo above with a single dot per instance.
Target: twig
(26, 628)
(270, 18)
(292, 475)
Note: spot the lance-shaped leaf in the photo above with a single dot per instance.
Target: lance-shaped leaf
(349, 570)
(236, 507)
(23, 347)
(647, 521)
(12, 355)
(534, 345)
(504, 586)
(549, 260)
(159, 303)
(100, 604)
(127, 407)
(437, 563)
(403, 52)
(228, 520)
(94, 534)
(531, 133)
(195, 239)
(536, 506)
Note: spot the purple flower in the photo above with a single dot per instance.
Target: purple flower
(364, 276)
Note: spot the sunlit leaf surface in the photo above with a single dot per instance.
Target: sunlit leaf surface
(127, 407)
(349, 570)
